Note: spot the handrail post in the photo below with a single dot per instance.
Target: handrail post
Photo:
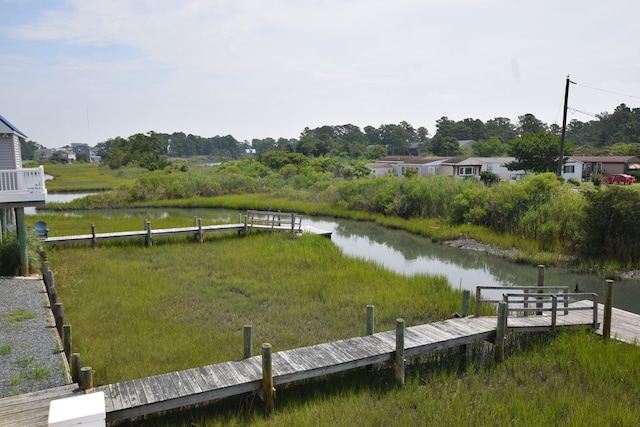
(566, 301)
(399, 356)
(200, 235)
(606, 322)
(370, 319)
(478, 296)
(554, 311)
(248, 341)
(594, 298)
(466, 298)
(501, 331)
(540, 285)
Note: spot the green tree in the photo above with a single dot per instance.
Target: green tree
(28, 149)
(492, 147)
(536, 152)
(444, 146)
(530, 124)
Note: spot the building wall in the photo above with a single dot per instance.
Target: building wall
(10, 153)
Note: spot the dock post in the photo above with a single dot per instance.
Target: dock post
(75, 367)
(540, 285)
(267, 378)
(248, 341)
(147, 239)
(94, 241)
(67, 341)
(200, 235)
(399, 357)
(51, 288)
(21, 230)
(58, 315)
(606, 321)
(466, 298)
(501, 331)
(370, 319)
(86, 379)
(478, 299)
(45, 270)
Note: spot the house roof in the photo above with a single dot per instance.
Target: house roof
(7, 127)
(607, 159)
(415, 160)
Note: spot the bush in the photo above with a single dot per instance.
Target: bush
(10, 254)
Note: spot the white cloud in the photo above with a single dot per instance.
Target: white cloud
(256, 68)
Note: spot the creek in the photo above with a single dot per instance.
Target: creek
(409, 254)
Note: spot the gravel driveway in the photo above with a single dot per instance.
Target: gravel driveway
(30, 356)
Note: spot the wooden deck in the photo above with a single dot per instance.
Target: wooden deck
(253, 220)
(149, 395)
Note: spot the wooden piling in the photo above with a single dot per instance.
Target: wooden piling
(58, 315)
(370, 319)
(399, 356)
(94, 241)
(466, 299)
(21, 230)
(75, 364)
(608, 303)
(248, 341)
(200, 234)
(50, 285)
(86, 378)
(267, 378)
(501, 331)
(67, 341)
(541, 286)
(147, 238)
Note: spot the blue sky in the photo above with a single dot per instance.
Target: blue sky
(84, 71)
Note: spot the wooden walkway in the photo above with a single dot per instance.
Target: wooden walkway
(253, 220)
(149, 395)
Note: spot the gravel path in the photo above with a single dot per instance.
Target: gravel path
(30, 356)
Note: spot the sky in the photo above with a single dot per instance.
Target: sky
(79, 71)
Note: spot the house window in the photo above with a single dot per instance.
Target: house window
(467, 170)
(569, 169)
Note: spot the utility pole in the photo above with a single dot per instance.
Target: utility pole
(564, 128)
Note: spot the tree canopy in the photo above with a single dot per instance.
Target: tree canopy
(535, 152)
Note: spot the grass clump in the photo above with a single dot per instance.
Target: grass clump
(18, 315)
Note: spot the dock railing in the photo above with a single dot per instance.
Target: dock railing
(275, 220)
(537, 300)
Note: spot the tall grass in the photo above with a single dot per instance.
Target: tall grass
(135, 310)
(88, 177)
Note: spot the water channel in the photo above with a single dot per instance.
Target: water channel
(408, 254)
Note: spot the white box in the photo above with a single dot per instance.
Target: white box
(86, 410)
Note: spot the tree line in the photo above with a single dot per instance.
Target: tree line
(616, 133)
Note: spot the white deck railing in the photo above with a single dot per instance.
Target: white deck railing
(17, 185)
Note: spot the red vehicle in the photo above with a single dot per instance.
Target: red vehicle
(619, 178)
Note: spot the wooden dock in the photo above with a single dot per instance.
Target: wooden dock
(157, 393)
(253, 220)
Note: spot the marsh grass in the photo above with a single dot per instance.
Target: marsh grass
(140, 311)
(88, 177)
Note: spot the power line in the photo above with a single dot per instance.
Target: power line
(607, 91)
(587, 113)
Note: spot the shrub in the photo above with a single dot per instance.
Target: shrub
(10, 254)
